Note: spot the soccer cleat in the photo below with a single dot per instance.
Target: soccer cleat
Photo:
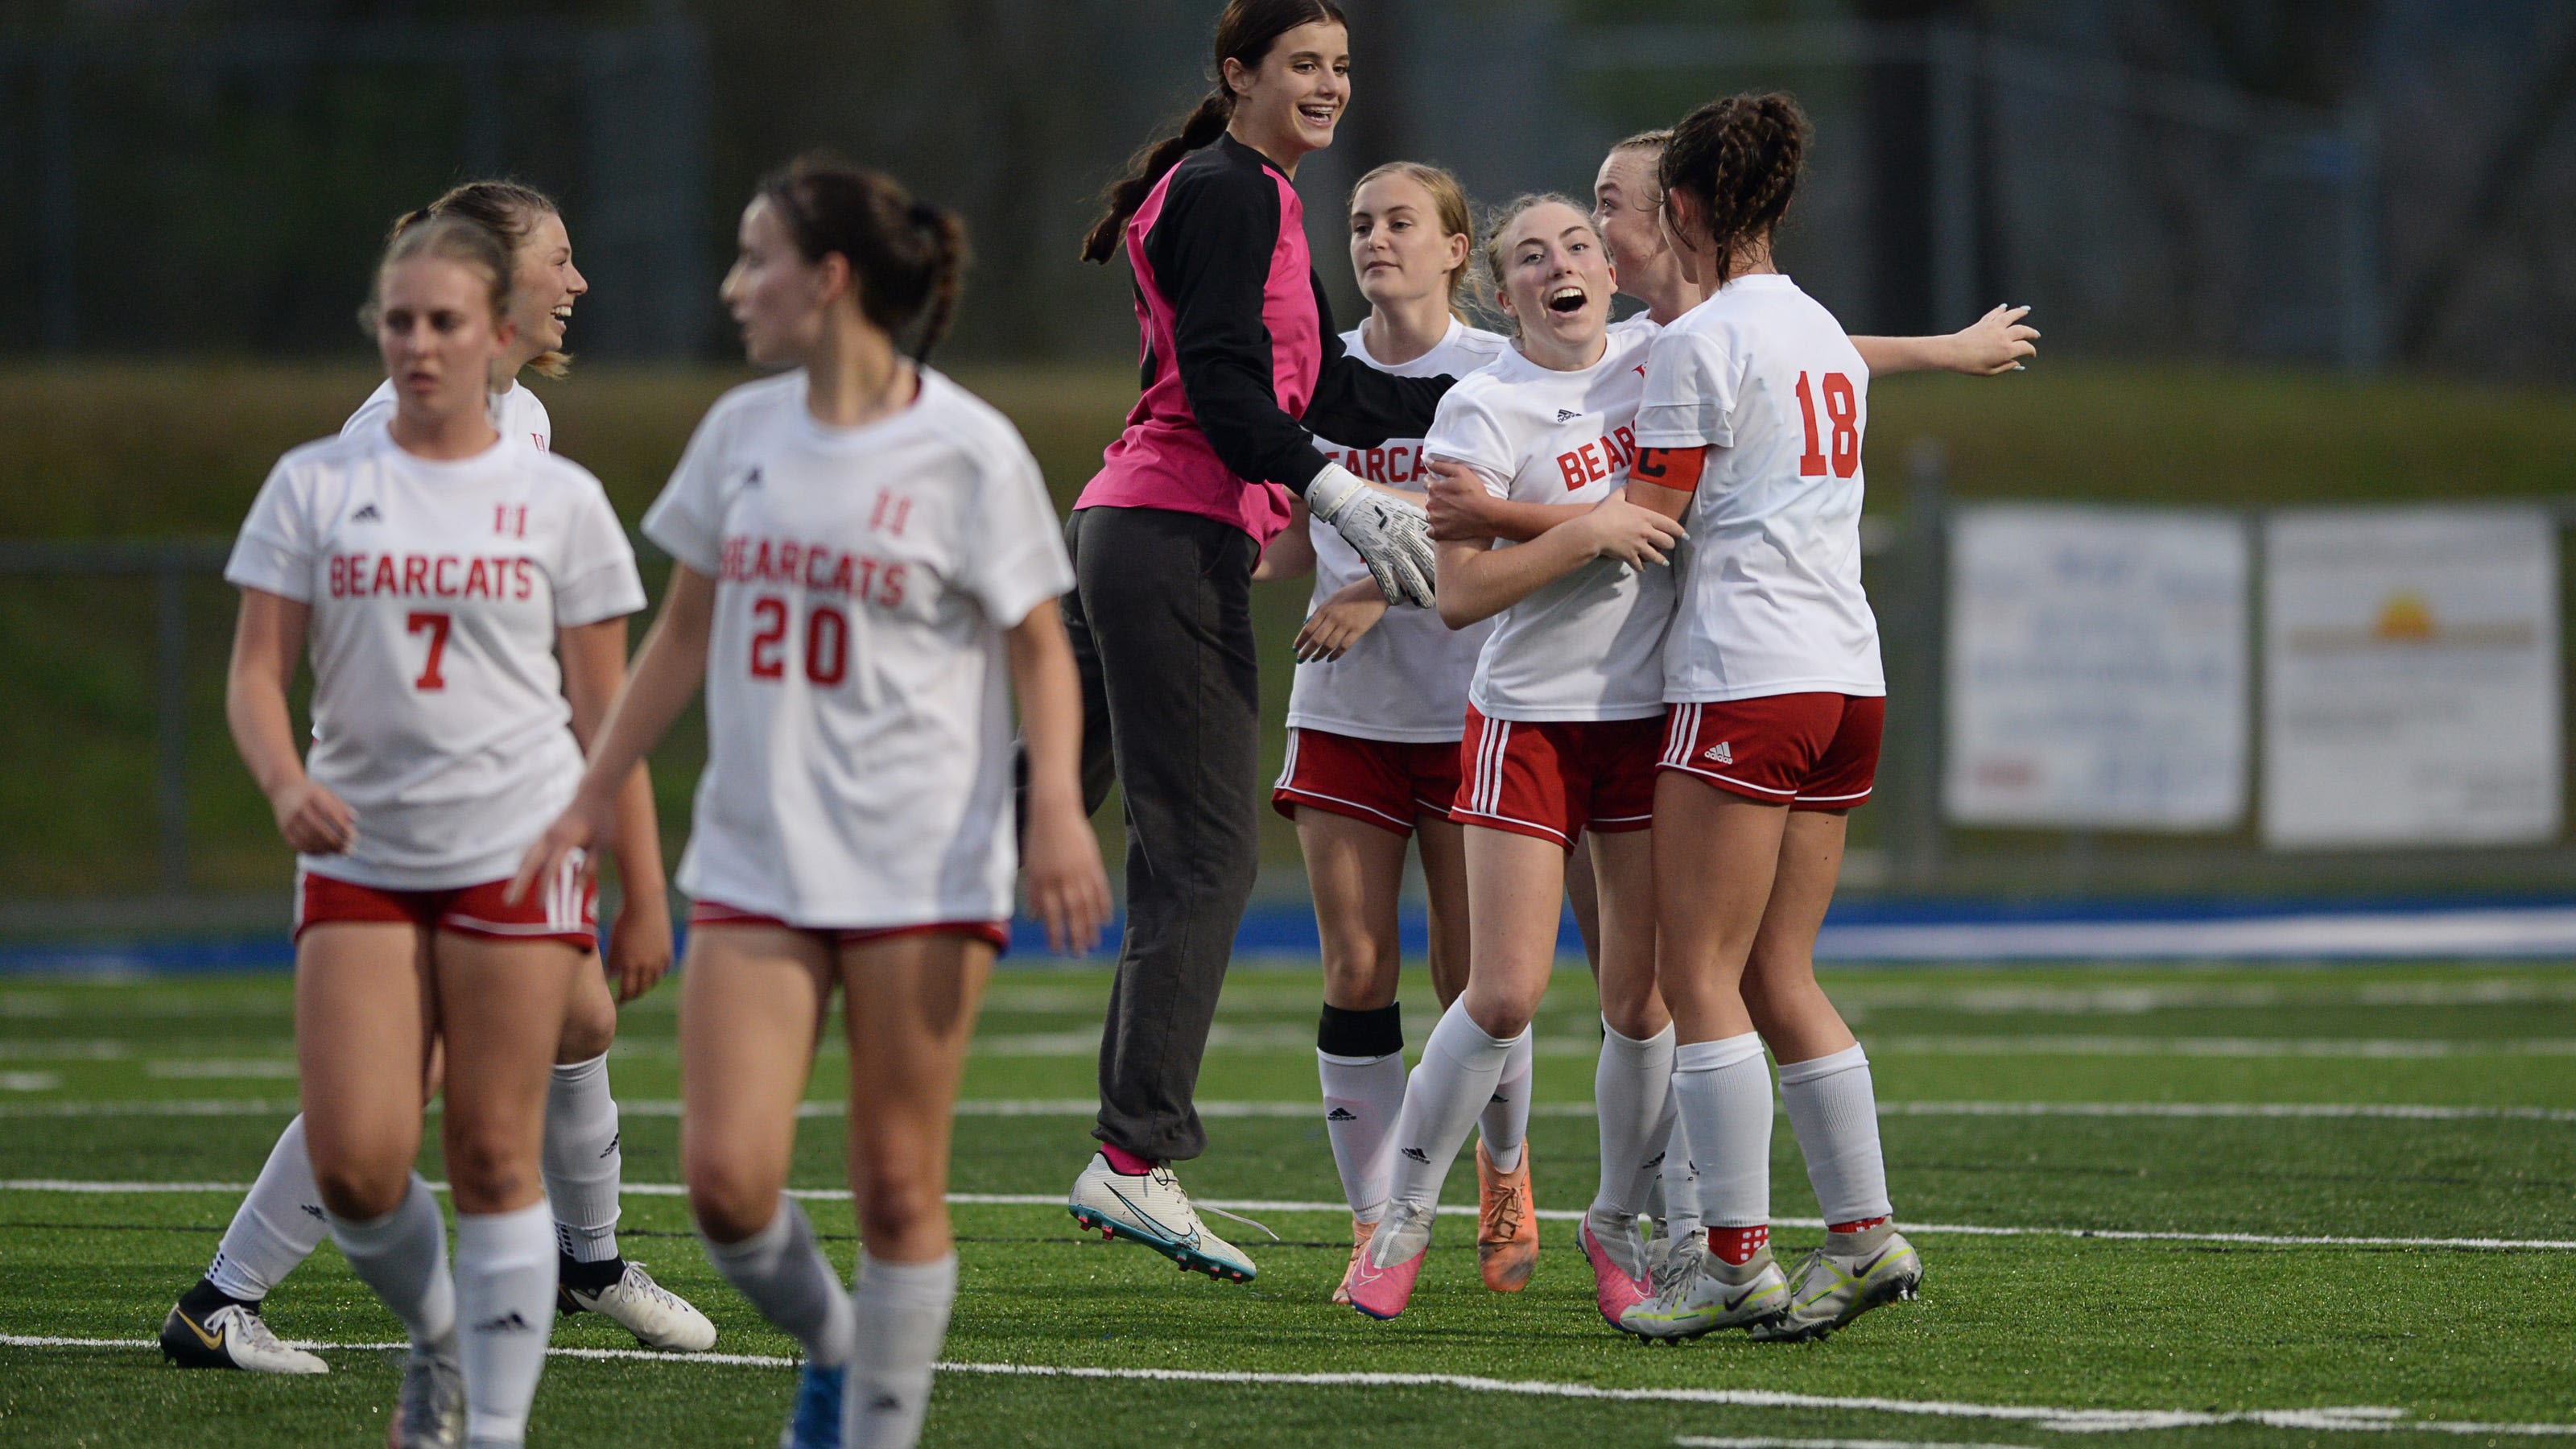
(231, 1336)
(658, 1317)
(1381, 1281)
(1670, 1262)
(815, 1422)
(1619, 1281)
(1843, 1280)
(430, 1412)
(1360, 1234)
(1506, 1223)
(1155, 1211)
(1715, 1295)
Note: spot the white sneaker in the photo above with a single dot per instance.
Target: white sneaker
(1716, 1295)
(1155, 1211)
(232, 1336)
(658, 1317)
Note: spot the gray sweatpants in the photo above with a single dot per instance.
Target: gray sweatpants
(1161, 624)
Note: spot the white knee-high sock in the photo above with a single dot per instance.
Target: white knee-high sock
(582, 1162)
(505, 1310)
(901, 1311)
(785, 1276)
(277, 1226)
(1725, 1092)
(1632, 1099)
(1460, 1066)
(1679, 1176)
(1834, 1110)
(1504, 1124)
(403, 1256)
(1362, 1096)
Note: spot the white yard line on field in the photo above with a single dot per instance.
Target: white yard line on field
(1765, 1441)
(2081, 1421)
(111, 1188)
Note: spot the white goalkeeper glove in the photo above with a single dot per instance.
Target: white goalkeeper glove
(1391, 535)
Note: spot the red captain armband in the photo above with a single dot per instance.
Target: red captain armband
(1674, 468)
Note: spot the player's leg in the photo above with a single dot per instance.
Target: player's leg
(1356, 871)
(1631, 1084)
(1514, 882)
(584, 1169)
(752, 998)
(910, 1007)
(363, 1013)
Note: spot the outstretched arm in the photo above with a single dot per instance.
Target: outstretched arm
(1996, 343)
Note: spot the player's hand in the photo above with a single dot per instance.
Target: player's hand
(1634, 536)
(1332, 629)
(1068, 886)
(1456, 503)
(639, 943)
(1385, 528)
(576, 832)
(313, 820)
(1997, 343)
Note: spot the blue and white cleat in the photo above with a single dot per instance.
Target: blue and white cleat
(1155, 1211)
(816, 1422)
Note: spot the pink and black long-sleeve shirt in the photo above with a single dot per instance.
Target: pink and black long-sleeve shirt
(1241, 363)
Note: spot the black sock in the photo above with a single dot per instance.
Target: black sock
(205, 1298)
(588, 1277)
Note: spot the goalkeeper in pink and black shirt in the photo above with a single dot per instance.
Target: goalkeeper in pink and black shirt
(1242, 367)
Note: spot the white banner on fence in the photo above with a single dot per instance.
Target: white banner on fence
(2097, 668)
(2412, 677)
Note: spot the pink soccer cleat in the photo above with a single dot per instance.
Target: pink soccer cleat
(1616, 1286)
(1381, 1282)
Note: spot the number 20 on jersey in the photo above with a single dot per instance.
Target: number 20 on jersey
(1842, 410)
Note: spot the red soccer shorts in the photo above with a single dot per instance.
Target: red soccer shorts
(1554, 779)
(565, 909)
(1805, 751)
(1383, 782)
(996, 934)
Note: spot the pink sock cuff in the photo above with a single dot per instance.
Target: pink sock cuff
(1124, 1162)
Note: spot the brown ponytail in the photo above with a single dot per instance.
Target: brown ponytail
(908, 258)
(1244, 34)
(1739, 158)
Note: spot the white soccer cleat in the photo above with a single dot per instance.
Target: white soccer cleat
(658, 1317)
(430, 1411)
(233, 1336)
(1714, 1295)
(1847, 1277)
(1155, 1211)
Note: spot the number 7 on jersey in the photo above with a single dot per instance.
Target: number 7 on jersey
(437, 626)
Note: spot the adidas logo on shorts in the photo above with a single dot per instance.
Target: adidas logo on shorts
(1720, 752)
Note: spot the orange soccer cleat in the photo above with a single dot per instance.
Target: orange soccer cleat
(1360, 1234)
(1506, 1223)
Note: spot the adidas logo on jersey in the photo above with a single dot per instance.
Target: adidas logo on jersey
(1341, 1114)
(1418, 1155)
(366, 514)
(752, 478)
(1722, 752)
(1567, 415)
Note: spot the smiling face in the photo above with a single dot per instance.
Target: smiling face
(1289, 104)
(436, 330)
(545, 285)
(1556, 282)
(776, 296)
(1626, 200)
(1398, 249)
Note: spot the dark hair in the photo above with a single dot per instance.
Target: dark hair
(1244, 34)
(1739, 158)
(908, 258)
(451, 239)
(509, 211)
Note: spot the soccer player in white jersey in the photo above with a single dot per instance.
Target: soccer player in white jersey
(1374, 717)
(1561, 731)
(216, 1323)
(437, 569)
(866, 567)
(1755, 411)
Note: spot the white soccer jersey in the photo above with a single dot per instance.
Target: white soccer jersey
(858, 686)
(1771, 600)
(515, 413)
(1406, 679)
(1586, 646)
(436, 591)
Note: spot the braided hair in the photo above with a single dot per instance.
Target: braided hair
(1739, 159)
